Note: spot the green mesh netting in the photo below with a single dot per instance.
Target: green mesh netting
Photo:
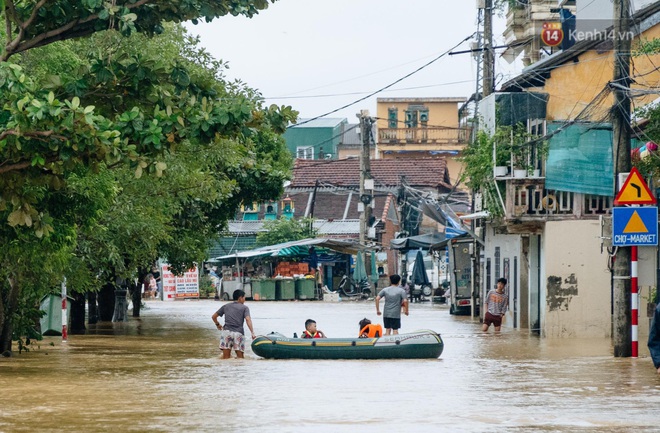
(580, 159)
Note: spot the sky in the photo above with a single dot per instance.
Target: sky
(321, 55)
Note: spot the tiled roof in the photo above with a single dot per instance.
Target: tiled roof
(419, 172)
(332, 204)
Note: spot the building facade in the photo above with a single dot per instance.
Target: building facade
(421, 128)
(553, 240)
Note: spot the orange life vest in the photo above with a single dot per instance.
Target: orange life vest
(372, 331)
(307, 334)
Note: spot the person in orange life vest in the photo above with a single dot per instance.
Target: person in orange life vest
(369, 330)
(311, 331)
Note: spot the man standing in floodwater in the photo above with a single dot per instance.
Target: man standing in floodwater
(497, 304)
(395, 298)
(232, 335)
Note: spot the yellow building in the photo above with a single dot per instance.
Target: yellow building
(421, 127)
(552, 243)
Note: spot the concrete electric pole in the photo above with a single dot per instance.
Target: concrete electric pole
(366, 183)
(621, 318)
(488, 55)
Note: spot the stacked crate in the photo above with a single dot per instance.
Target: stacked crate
(289, 269)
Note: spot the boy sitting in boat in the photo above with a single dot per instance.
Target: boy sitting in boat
(370, 330)
(311, 331)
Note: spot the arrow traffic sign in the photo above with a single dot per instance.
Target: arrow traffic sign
(634, 191)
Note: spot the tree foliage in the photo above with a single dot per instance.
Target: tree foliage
(116, 150)
(286, 230)
(35, 23)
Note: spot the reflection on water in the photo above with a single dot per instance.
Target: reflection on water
(163, 373)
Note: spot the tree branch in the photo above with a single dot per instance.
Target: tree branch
(24, 164)
(59, 34)
(35, 134)
(33, 15)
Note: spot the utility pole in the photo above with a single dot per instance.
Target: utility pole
(622, 318)
(366, 183)
(488, 55)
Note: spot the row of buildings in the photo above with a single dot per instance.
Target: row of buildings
(549, 235)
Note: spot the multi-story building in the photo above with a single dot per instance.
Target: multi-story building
(421, 127)
(551, 242)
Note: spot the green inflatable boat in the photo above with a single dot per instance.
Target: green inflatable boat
(414, 345)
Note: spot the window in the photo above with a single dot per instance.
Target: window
(305, 152)
(392, 117)
(251, 207)
(411, 119)
(287, 205)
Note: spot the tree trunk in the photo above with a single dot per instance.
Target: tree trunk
(106, 299)
(7, 328)
(136, 297)
(92, 308)
(78, 313)
(2, 311)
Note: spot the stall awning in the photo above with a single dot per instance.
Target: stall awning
(342, 246)
(419, 241)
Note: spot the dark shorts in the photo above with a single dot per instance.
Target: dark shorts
(492, 319)
(391, 323)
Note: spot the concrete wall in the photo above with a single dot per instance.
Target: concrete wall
(577, 283)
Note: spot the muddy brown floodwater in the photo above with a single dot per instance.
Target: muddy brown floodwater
(163, 373)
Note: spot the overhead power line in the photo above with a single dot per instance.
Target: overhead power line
(386, 87)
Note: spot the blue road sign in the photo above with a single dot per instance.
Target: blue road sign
(634, 226)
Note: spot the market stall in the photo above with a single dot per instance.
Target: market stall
(287, 271)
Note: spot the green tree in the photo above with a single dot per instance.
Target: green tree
(108, 116)
(36, 23)
(286, 230)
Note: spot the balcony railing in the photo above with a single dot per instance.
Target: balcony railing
(423, 135)
(528, 200)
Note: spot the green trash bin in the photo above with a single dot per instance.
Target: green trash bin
(256, 289)
(305, 289)
(285, 290)
(266, 291)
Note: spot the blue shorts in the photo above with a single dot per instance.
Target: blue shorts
(391, 323)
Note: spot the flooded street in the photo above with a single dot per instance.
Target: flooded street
(163, 373)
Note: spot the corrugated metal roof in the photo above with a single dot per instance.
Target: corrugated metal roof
(350, 136)
(324, 227)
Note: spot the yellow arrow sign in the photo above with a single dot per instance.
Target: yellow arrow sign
(634, 191)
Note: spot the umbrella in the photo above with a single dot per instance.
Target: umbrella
(374, 270)
(419, 276)
(360, 273)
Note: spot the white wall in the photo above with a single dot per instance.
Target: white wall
(577, 283)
